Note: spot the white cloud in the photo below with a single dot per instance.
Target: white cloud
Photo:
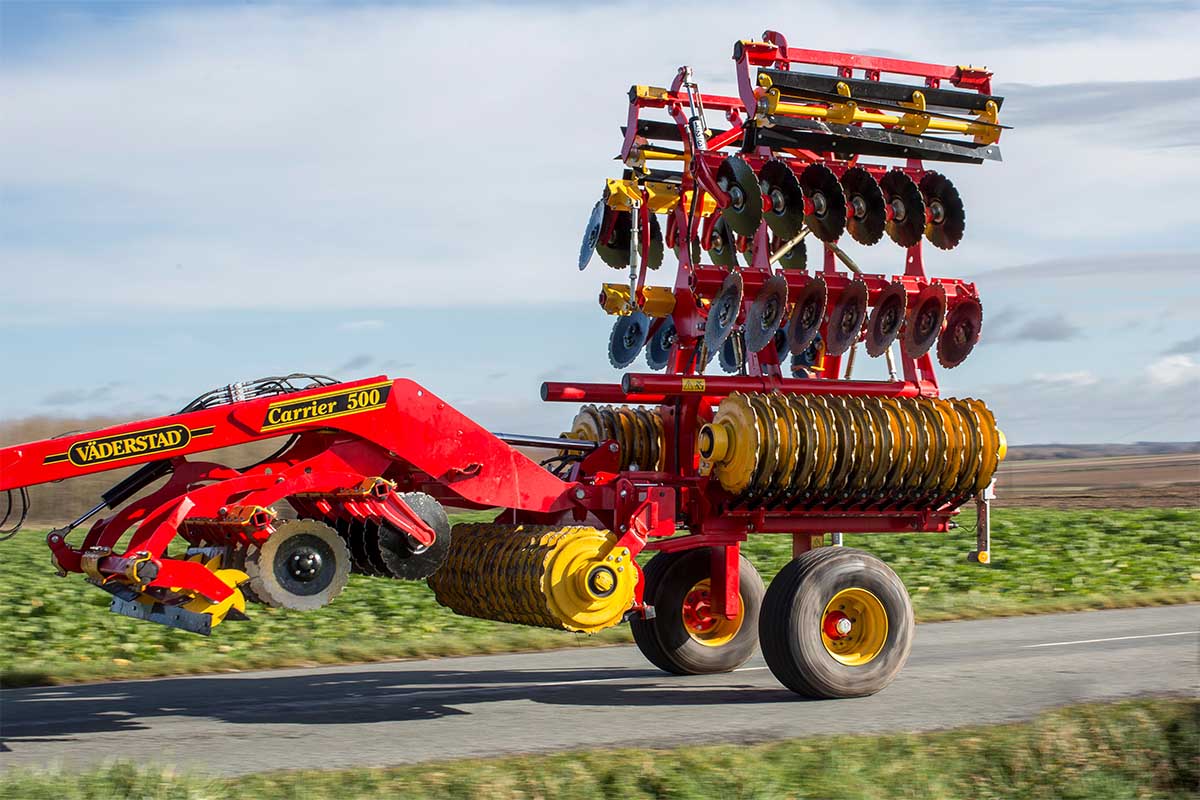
(333, 157)
(1076, 378)
(1174, 370)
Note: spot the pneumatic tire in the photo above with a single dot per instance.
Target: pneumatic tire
(644, 632)
(690, 641)
(836, 622)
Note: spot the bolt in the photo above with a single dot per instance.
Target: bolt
(624, 493)
(620, 569)
(223, 511)
(579, 493)
(612, 448)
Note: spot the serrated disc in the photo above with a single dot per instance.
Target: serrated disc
(938, 451)
(846, 318)
(808, 446)
(737, 470)
(778, 183)
(733, 354)
(947, 217)
(827, 454)
(591, 235)
(614, 248)
(768, 446)
(654, 254)
(722, 251)
(789, 446)
(723, 313)
(796, 257)
(660, 344)
(847, 451)
(964, 323)
(868, 210)
(627, 339)
(923, 322)
(766, 313)
(825, 203)
(886, 320)
(906, 220)
(972, 450)
(881, 428)
(744, 212)
(807, 315)
(991, 444)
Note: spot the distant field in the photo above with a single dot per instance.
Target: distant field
(59, 630)
(1139, 749)
(1165, 480)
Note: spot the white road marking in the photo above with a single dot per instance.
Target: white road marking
(550, 684)
(1112, 639)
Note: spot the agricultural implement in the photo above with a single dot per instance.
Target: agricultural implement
(677, 461)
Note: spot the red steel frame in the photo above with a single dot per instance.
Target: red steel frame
(418, 442)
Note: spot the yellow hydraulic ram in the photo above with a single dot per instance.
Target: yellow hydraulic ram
(985, 128)
(567, 577)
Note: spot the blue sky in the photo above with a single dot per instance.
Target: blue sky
(195, 193)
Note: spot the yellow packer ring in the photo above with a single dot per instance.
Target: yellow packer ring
(701, 624)
(854, 627)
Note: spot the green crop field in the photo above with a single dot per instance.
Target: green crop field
(59, 629)
(1139, 749)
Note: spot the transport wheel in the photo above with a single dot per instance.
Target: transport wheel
(644, 633)
(690, 639)
(405, 559)
(836, 622)
(302, 566)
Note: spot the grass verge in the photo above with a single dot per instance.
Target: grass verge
(1135, 749)
(59, 630)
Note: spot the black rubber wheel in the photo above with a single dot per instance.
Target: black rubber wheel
(644, 634)
(303, 565)
(807, 602)
(720, 645)
(401, 558)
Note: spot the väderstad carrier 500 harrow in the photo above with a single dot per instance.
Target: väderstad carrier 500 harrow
(673, 461)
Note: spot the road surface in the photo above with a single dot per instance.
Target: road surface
(960, 673)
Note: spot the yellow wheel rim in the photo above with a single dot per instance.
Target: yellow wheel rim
(701, 624)
(854, 627)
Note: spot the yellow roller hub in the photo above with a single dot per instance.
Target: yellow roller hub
(854, 627)
(218, 611)
(701, 624)
(571, 577)
(733, 443)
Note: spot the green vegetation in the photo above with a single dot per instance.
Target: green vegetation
(59, 630)
(1139, 749)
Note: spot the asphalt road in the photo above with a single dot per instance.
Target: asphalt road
(960, 673)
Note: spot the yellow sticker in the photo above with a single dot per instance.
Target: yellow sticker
(693, 384)
(330, 405)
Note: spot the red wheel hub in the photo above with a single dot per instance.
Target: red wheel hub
(836, 625)
(697, 611)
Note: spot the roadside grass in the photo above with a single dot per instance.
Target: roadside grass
(58, 630)
(1133, 749)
